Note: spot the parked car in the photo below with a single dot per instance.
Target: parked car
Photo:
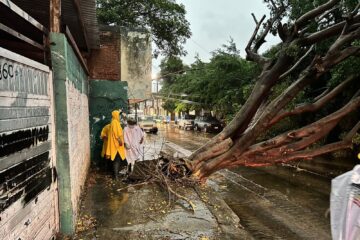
(207, 124)
(135, 117)
(166, 119)
(148, 124)
(159, 119)
(186, 122)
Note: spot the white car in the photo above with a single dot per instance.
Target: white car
(186, 122)
(148, 124)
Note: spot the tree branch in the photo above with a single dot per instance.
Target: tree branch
(295, 140)
(303, 155)
(308, 154)
(337, 57)
(255, 20)
(306, 135)
(328, 32)
(312, 107)
(261, 40)
(311, 153)
(296, 64)
(303, 20)
(251, 52)
(356, 94)
(213, 152)
(282, 31)
(251, 55)
(259, 111)
(322, 16)
(354, 12)
(319, 133)
(352, 132)
(343, 39)
(327, 90)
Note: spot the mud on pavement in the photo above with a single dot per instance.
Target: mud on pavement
(116, 210)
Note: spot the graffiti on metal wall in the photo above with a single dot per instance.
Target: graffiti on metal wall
(20, 140)
(17, 77)
(25, 153)
(25, 180)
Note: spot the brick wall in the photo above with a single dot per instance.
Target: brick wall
(79, 141)
(104, 63)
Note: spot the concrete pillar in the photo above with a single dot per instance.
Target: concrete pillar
(72, 132)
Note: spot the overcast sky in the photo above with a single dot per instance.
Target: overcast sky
(212, 22)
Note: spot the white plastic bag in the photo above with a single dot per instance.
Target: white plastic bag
(345, 206)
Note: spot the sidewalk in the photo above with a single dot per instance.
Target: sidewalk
(115, 210)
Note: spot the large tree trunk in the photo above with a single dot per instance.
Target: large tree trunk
(238, 143)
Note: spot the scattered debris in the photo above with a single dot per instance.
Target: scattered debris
(168, 172)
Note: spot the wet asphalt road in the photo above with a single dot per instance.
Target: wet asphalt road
(277, 202)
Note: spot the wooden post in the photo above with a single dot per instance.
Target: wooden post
(47, 55)
(82, 25)
(55, 16)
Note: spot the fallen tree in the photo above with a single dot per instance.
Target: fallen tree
(241, 143)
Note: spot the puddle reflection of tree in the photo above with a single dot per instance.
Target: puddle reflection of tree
(116, 202)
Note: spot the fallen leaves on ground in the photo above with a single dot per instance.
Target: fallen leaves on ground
(85, 223)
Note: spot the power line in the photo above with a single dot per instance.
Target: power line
(180, 100)
(201, 47)
(177, 72)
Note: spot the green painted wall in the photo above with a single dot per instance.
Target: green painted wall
(105, 96)
(65, 68)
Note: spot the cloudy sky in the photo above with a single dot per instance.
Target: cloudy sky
(212, 22)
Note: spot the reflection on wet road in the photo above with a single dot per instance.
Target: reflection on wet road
(187, 139)
(277, 202)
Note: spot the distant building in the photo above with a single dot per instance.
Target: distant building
(124, 55)
(136, 63)
(156, 85)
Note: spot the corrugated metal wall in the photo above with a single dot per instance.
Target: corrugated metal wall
(28, 189)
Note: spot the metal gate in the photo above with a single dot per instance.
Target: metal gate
(28, 189)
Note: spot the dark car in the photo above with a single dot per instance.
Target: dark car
(207, 124)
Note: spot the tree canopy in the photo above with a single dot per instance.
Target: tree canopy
(165, 19)
(221, 85)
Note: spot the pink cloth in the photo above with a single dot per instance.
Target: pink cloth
(134, 150)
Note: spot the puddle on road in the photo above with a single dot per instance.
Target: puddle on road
(115, 203)
(191, 140)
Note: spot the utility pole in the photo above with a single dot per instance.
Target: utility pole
(157, 99)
